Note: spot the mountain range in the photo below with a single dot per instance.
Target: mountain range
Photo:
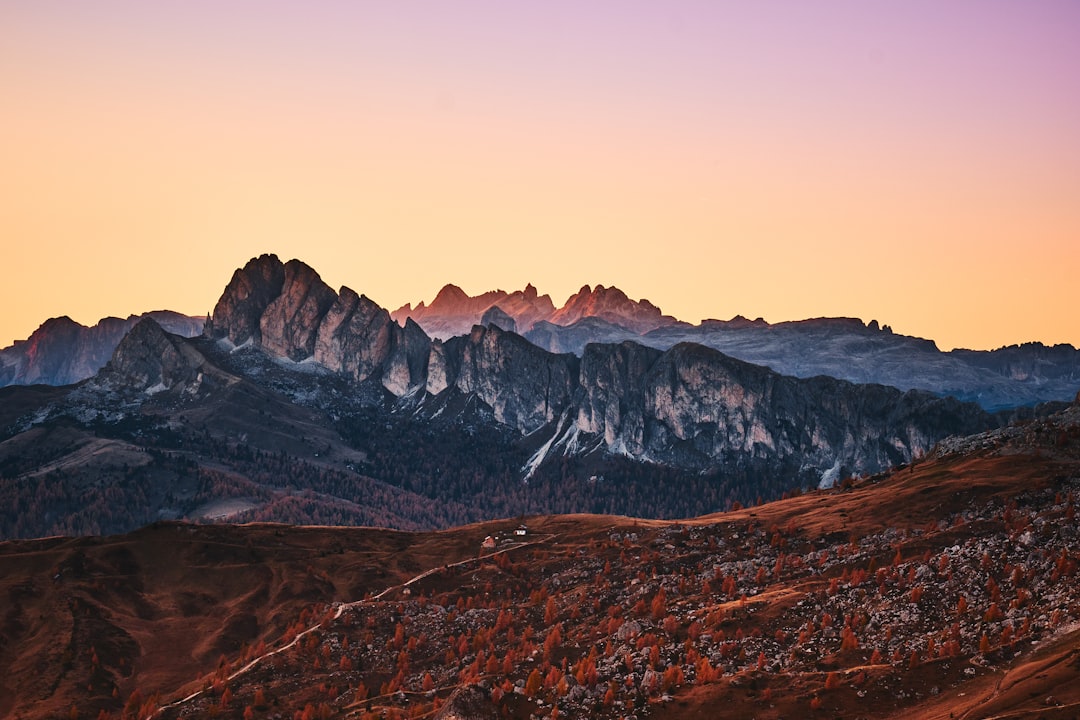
(880, 553)
(62, 352)
(300, 403)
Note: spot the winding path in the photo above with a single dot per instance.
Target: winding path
(341, 608)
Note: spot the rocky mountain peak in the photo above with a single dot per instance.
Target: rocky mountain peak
(450, 295)
(613, 305)
(290, 323)
(250, 291)
(150, 359)
(495, 315)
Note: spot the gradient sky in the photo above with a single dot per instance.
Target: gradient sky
(914, 162)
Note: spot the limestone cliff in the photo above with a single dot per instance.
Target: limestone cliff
(689, 405)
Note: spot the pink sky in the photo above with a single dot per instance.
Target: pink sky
(917, 163)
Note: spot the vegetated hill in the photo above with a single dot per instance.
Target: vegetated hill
(944, 589)
(62, 351)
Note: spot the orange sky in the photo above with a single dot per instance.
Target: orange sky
(915, 165)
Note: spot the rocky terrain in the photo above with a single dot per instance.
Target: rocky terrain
(689, 406)
(947, 588)
(62, 351)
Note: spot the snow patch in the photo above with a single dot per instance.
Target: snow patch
(830, 477)
(540, 455)
(155, 389)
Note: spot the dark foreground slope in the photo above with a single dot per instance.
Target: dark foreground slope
(947, 589)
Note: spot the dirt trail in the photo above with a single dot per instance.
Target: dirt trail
(348, 606)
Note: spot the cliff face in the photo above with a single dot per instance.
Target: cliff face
(288, 311)
(453, 312)
(688, 405)
(525, 386)
(238, 314)
(290, 324)
(846, 348)
(62, 351)
(695, 405)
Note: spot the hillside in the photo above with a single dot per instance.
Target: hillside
(944, 589)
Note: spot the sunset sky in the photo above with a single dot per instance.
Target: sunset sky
(914, 162)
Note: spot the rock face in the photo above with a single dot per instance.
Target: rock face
(288, 311)
(238, 314)
(290, 323)
(469, 702)
(525, 386)
(495, 316)
(688, 405)
(694, 406)
(613, 395)
(149, 359)
(62, 351)
(453, 312)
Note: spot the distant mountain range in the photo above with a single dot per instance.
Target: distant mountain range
(62, 351)
(843, 348)
(303, 404)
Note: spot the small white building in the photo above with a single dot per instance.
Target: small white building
(521, 530)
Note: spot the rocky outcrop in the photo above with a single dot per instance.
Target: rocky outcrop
(149, 359)
(453, 312)
(406, 369)
(613, 395)
(847, 348)
(689, 405)
(288, 311)
(62, 351)
(238, 314)
(469, 702)
(355, 336)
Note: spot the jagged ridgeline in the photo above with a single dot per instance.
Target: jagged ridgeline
(689, 406)
(304, 404)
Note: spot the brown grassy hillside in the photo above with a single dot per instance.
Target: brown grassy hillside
(946, 589)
